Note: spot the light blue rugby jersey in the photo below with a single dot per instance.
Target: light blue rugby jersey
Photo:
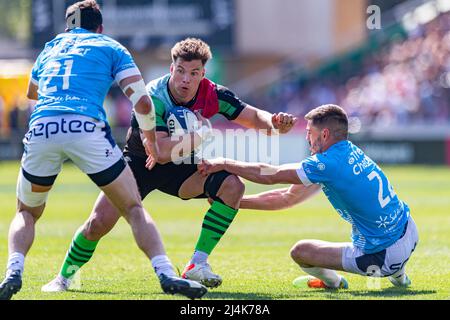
(75, 71)
(360, 192)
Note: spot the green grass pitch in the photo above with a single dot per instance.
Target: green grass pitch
(253, 257)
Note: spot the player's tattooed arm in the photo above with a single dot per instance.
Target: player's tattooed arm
(280, 198)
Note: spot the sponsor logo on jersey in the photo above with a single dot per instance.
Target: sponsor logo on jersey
(61, 126)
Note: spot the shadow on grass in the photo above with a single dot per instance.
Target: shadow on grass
(390, 293)
(87, 292)
(317, 294)
(214, 295)
(222, 295)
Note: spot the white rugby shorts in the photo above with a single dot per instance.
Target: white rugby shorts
(53, 140)
(384, 263)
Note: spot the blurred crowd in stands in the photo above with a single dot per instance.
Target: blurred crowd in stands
(407, 82)
(16, 117)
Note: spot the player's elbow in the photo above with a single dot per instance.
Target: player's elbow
(162, 160)
(32, 95)
(164, 157)
(32, 90)
(168, 154)
(144, 105)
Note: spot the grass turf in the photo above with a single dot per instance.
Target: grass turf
(253, 257)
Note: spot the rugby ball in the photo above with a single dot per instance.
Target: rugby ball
(181, 120)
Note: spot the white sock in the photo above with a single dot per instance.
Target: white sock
(399, 278)
(329, 277)
(162, 265)
(199, 257)
(16, 261)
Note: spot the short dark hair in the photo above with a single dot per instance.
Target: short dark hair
(90, 14)
(191, 49)
(332, 117)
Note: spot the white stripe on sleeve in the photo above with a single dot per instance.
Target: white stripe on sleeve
(127, 73)
(303, 177)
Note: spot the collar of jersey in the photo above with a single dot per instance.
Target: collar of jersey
(337, 145)
(79, 30)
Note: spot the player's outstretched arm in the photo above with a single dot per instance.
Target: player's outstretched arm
(255, 118)
(280, 198)
(256, 172)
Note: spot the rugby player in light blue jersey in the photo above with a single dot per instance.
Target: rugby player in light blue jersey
(384, 234)
(70, 80)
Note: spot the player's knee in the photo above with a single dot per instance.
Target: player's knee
(294, 252)
(33, 213)
(26, 217)
(302, 251)
(233, 188)
(94, 229)
(133, 211)
(128, 202)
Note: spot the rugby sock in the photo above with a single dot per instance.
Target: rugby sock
(199, 257)
(80, 252)
(16, 261)
(400, 278)
(162, 265)
(215, 224)
(329, 277)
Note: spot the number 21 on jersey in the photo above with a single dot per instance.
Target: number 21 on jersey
(54, 72)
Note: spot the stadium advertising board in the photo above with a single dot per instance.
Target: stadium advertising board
(140, 24)
(406, 151)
